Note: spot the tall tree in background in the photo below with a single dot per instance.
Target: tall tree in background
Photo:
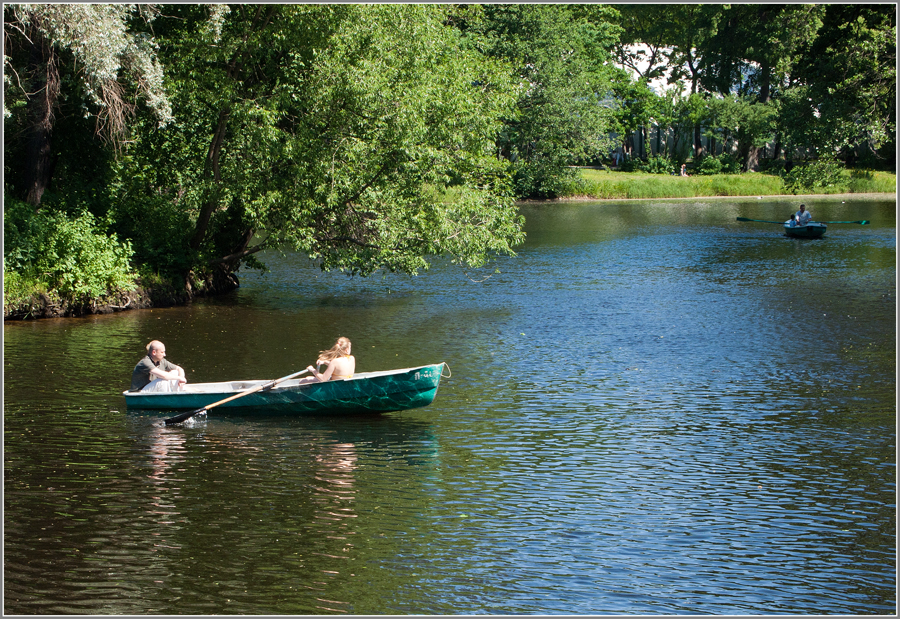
(564, 110)
(45, 44)
(689, 28)
(671, 40)
(643, 44)
(846, 83)
(756, 49)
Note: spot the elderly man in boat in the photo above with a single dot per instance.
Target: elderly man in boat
(155, 373)
(803, 216)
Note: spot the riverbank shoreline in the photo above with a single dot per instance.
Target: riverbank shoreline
(144, 296)
(809, 196)
(156, 295)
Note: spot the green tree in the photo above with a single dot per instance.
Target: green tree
(560, 56)
(361, 135)
(847, 83)
(49, 46)
(755, 51)
(638, 108)
(643, 43)
(689, 28)
(810, 78)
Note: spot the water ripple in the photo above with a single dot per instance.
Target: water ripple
(647, 415)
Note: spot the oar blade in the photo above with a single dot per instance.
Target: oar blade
(171, 421)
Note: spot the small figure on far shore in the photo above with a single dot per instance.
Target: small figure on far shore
(684, 170)
(155, 373)
(803, 216)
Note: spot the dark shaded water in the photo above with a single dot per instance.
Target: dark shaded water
(653, 410)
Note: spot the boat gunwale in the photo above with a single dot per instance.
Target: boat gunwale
(293, 384)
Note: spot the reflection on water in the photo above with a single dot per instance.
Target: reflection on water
(653, 409)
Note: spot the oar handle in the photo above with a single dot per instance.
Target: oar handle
(268, 385)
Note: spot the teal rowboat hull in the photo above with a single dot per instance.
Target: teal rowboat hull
(369, 392)
(811, 230)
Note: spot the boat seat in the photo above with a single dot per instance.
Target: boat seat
(241, 386)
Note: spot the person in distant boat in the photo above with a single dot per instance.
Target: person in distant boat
(793, 222)
(341, 364)
(155, 373)
(803, 216)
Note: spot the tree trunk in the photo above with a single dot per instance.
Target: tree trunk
(752, 162)
(751, 159)
(44, 87)
(213, 170)
(698, 143)
(765, 81)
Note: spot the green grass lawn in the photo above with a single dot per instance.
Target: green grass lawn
(605, 185)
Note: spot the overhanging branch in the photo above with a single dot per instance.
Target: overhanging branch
(238, 255)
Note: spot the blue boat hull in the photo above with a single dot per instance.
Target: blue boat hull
(811, 230)
(371, 392)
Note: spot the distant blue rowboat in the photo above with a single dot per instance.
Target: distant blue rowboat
(812, 230)
(368, 392)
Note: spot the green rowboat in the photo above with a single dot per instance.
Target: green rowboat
(812, 230)
(369, 392)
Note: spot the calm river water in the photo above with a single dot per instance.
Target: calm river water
(653, 409)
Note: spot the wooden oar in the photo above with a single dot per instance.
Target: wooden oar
(268, 385)
(763, 221)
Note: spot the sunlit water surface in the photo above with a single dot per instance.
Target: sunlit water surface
(653, 409)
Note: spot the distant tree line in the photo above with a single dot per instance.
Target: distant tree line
(178, 141)
(811, 81)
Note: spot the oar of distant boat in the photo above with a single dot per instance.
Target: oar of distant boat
(762, 221)
(765, 221)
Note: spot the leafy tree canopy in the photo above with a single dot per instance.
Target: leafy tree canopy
(564, 110)
(361, 135)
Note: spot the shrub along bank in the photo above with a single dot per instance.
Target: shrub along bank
(57, 264)
(616, 185)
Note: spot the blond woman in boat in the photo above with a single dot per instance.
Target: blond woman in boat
(340, 363)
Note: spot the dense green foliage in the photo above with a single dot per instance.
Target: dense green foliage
(658, 165)
(820, 174)
(721, 164)
(70, 255)
(808, 80)
(563, 113)
(334, 130)
(606, 185)
(181, 140)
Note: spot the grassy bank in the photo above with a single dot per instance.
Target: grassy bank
(606, 185)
